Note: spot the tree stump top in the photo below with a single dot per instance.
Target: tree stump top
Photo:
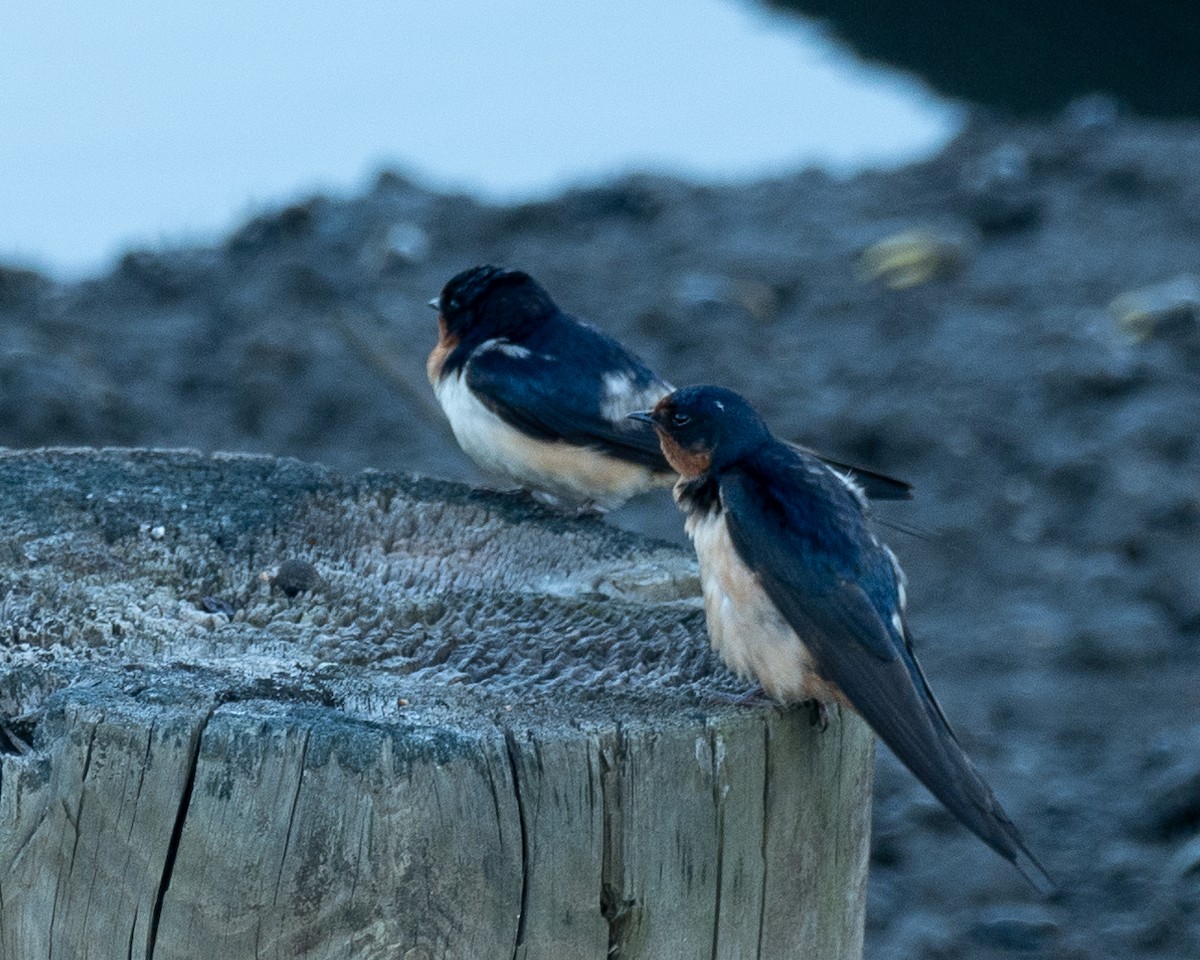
(275, 579)
(250, 708)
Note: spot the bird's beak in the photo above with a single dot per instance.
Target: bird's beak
(434, 303)
(644, 415)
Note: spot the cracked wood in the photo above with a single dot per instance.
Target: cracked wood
(414, 758)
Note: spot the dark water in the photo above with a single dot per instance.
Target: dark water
(1030, 56)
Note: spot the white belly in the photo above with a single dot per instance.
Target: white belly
(561, 471)
(745, 627)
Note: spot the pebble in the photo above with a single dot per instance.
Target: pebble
(1172, 795)
(914, 257)
(1020, 927)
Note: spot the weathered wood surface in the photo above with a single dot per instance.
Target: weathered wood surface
(485, 732)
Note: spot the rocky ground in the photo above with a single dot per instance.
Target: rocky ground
(1027, 353)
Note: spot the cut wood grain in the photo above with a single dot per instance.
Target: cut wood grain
(456, 726)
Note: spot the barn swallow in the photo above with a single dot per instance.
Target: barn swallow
(800, 593)
(540, 397)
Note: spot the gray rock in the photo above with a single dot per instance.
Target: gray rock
(1021, 927)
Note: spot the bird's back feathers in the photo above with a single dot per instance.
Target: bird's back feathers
(838, 588)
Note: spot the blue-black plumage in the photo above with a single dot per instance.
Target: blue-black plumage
(801, 594)
(541, 398)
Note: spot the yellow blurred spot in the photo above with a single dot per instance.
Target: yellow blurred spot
(913, 257)
(1141, 313)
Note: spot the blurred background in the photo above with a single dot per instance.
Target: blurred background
(955, 242)
(139, 126)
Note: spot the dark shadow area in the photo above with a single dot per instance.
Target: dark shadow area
(1030, 56)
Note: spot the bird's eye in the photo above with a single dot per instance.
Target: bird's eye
(680, 419)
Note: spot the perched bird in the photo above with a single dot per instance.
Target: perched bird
(540, 398)
(800, 594)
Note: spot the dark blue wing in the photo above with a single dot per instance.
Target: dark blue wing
(572, 384)
(562, 391)
(808, 544)
(876, 485)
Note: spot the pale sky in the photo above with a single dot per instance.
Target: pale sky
(146, 122)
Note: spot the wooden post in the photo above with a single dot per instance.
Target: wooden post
(249, 709)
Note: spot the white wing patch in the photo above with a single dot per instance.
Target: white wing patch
(816, 467)
(506, 348)
(620, 395)
(857, 491)
(901, 581)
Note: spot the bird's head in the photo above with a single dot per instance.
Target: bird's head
(705, 428)
(485, 302)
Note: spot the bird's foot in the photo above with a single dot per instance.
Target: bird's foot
(818, 714)
(522, 495)
(570, 508)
